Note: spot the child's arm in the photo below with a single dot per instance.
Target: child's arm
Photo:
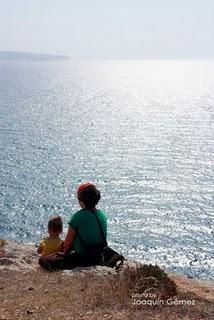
(40, 248)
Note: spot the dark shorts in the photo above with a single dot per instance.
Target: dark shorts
(68, 261)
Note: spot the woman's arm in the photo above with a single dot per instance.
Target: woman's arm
(69, 239)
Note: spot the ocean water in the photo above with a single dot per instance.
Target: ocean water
(143, 131)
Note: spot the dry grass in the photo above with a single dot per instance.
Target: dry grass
(148, 281)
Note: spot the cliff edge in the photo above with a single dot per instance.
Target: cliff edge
(136, 291)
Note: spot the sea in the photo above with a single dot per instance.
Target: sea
(141, 130)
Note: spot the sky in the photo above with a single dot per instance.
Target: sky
(115, 29)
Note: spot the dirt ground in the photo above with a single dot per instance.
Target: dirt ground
(27, 292)
(59, 296)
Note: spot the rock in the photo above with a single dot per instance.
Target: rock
(99, 271)
(30, 289)
(29, 311)
(18, 257)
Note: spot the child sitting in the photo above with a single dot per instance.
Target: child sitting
(52, 244)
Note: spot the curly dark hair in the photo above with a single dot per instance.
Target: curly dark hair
(90, 196)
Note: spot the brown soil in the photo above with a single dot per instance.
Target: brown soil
(36, 294)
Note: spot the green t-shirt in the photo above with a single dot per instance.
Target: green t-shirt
(87, 226)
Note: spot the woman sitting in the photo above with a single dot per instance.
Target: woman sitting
(87, 230)
(86, 236)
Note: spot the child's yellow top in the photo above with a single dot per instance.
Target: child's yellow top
(50, 245)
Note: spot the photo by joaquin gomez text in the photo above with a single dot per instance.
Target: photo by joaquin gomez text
(151, 299)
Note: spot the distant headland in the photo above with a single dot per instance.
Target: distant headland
(25, 56)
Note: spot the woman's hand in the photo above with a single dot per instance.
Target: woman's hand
(69, 239)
